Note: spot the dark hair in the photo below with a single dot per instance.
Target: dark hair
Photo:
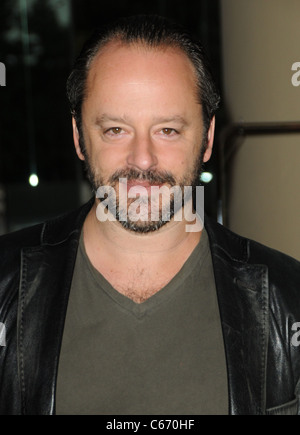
(152, 31)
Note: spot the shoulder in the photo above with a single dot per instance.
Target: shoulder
(248, 250)
(283, 271)
(11, 245)
(51, 231)
(25, 237)
(277, 260)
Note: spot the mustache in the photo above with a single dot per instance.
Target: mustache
(155, 177)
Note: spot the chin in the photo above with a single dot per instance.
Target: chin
(141, 227)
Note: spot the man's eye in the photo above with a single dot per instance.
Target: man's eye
(169, 131)
(114, 130)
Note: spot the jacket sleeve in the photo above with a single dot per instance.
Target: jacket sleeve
(10, 260)
(283, 361)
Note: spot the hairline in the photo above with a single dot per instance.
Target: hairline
(121, 41)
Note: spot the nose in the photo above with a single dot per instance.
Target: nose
(142, 154)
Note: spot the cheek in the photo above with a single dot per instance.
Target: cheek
(107, 160)
(176, 163)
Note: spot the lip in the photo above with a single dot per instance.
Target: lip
(137, 184)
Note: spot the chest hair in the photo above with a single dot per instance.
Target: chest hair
(138, 284)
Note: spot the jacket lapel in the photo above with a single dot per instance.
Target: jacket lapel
(46, 277)
(242, 290)
(45, 284)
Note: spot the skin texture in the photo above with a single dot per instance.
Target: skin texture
(141, 114)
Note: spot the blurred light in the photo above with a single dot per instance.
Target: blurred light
(206, 177)
(33, 180)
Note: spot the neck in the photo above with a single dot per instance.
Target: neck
(125, 244)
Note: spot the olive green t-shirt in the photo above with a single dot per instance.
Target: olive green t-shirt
(164, 356)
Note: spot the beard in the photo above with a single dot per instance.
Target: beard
(153, 178)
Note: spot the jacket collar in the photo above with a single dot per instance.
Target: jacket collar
(46, 277)
(61, 228)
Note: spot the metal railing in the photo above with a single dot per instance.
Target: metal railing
(228, 144)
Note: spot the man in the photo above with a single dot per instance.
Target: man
(110, 311)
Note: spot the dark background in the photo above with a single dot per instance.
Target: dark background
(38, 44)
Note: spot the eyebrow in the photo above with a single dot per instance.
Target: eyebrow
(106, 117)
(124, 119)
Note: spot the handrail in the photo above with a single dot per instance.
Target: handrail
(227, 146)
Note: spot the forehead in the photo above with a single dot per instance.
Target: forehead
(135, 63)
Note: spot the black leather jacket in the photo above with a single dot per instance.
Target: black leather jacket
(259, 298)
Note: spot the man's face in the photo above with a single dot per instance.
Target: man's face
(141, 120)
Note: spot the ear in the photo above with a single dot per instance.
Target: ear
(210, 140)
(76, 139)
